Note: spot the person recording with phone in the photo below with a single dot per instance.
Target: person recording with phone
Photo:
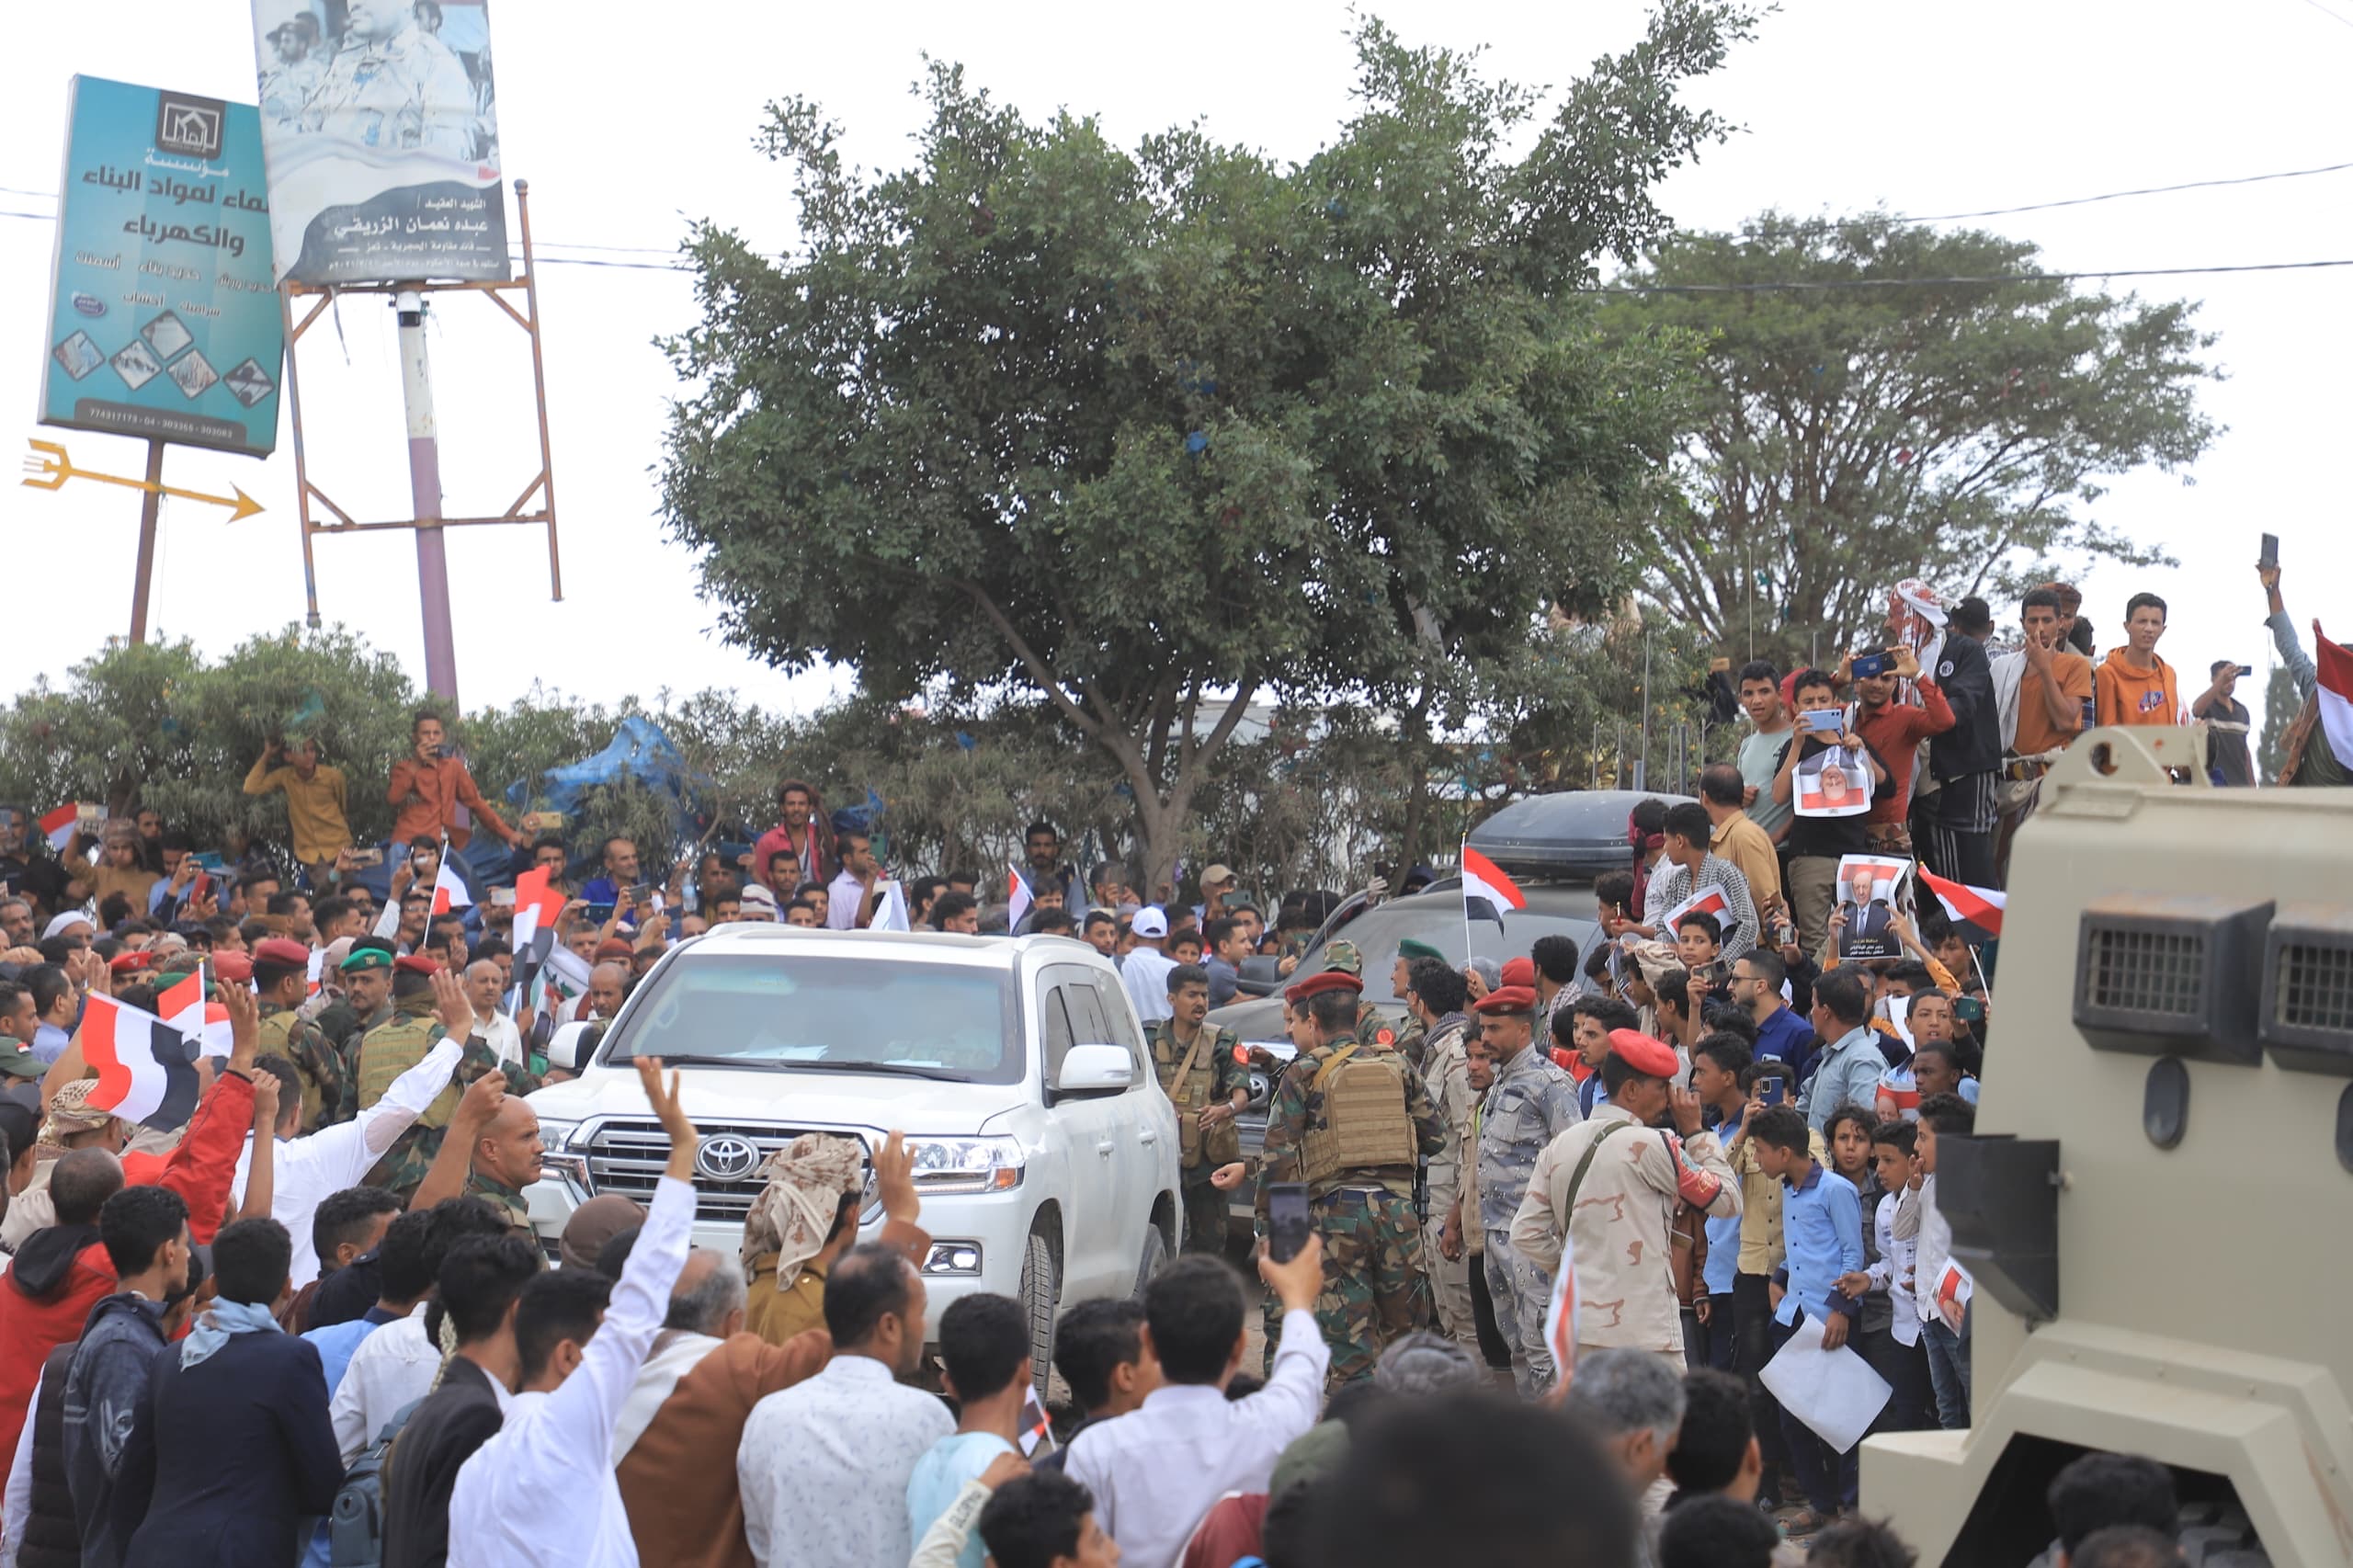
(2227, 723)
(428, 785)
(316, 818)
(2310, 759)
(1894, 731)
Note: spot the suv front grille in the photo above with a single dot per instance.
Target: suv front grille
(628, 1157)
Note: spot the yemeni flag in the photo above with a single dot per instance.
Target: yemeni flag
(1035, 1425)
(449, 889)
(1709, 900)
(145, 1066)
(182, 1005)
(2333, 695)
(1976, 913)
(1560, 1314)
(59, 826)
(1017, 900)
(538, 908)
(1487, 891)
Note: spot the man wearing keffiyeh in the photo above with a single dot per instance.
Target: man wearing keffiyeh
(807, 1216)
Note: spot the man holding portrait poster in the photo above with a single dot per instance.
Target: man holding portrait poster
(1830, 773)
(1868, 910)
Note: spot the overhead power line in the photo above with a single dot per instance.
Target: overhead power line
(2121, 195)
(1823, 284)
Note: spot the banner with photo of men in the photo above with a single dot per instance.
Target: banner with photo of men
(163, 317)
(379, 124)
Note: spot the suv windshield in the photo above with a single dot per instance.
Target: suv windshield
(813, 1015)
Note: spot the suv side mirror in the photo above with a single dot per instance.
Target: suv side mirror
(1094, 1068)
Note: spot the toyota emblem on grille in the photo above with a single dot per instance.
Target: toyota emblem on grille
(727, 1158)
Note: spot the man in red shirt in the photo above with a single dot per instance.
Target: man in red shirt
(1894, 730)
(428, 788)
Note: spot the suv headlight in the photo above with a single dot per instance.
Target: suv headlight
(966, 1164)
(560, 1158)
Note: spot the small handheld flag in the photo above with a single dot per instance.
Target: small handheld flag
(1561, 1314)
(891, 913)
(1016, 903)
(145, 1066)
(1487, 891)
(182, 1005)
(58, 826)
(449, 889)
(1976, 912)
(1035, 1425)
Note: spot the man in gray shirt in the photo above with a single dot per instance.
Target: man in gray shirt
(1761, 749)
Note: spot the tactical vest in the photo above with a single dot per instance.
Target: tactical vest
(1365, 1125)
(277, 1028)
(1191, 1085)
(389, 1050)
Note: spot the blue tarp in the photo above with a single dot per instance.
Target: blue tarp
(639, 752)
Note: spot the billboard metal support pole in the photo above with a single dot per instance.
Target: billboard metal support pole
(150, 511)
(425, 492)
(539, 385)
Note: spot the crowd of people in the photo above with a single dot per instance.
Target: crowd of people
(290, 1305)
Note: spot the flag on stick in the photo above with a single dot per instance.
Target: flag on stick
(1487, 891)
(145, 1066)
(448, 888)
(1016, 903)
(1975, 912)
(182, 1005)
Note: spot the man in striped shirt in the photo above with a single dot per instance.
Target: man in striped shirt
(1692, 866)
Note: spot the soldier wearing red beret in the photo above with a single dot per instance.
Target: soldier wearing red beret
(1531, 1103)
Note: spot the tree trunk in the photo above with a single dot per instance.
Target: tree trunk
(1417, 786)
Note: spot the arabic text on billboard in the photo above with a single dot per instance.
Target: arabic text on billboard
(381, 132)
(163, 317)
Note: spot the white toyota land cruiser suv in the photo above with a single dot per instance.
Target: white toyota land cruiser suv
(1044, 1150)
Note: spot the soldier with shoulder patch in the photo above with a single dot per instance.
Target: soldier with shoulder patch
(1351, 1120)
(282, 982)
(422, 1014)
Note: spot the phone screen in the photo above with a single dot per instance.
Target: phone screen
(1286, 1220)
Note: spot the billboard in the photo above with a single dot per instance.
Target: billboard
(163, 317)
(381, 131)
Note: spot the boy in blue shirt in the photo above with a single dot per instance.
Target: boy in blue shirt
(984, 1361)
(1822, 1228)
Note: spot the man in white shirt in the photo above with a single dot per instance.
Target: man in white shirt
(543, 1490)
(850, 899)
(824, 1464)
(1144, 971)
(306, 1171)
(486, 982)
(1944, 1326)
(1157, 1470)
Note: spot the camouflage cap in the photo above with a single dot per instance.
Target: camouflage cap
(1343, 956)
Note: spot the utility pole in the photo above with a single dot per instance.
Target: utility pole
(150, 511)
(424, 490)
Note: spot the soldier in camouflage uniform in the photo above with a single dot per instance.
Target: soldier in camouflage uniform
(1335, 1125)
(367, 976)
(508, 1157)
(282, 978)
(1344, 958)
(1211, 1091)
(421, 1017)
(1434, 995)
(1532, 1103)
(1412, 1033)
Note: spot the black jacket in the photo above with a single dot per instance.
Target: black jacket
(52, 1538)
(1974, 744)
(422, 1470)
(229, 1459)
(104, 1386)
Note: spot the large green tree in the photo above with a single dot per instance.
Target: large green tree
(1869, 421)
(1145, 435)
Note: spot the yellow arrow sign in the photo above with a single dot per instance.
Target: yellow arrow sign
(51, 472)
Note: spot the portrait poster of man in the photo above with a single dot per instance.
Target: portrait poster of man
(1833, 782)
(1871, 889)
(380, 131)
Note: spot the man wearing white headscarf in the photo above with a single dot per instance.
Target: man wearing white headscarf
(807, 1216)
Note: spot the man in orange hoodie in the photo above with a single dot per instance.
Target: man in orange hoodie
(2134, 686)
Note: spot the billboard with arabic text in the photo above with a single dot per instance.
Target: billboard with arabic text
(164, 315)
(380, 130)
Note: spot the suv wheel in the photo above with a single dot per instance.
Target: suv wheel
(1155, 1258)
(1039, 1291)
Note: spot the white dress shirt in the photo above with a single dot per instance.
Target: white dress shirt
(1156, 1471)
(1934, 1250)
(1145, 976)
(1892, 1272)
(305, 1172)
(843, 895)
(823, 1466)
(498, 1032)
(525, 1496)
(392, 1367)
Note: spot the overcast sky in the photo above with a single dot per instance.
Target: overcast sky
(629, 120)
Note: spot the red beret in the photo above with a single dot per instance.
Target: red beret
(1329, 980)
(416, 963)
(1508, 999)
(279, 949)
(1652, 1058)
(125, 963)
(615, 949)
(232, 966)
(1521, 971)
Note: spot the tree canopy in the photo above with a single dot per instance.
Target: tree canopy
(1880, 423)
(1137, 434)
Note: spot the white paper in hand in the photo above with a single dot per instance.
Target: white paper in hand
(1835, 1393)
